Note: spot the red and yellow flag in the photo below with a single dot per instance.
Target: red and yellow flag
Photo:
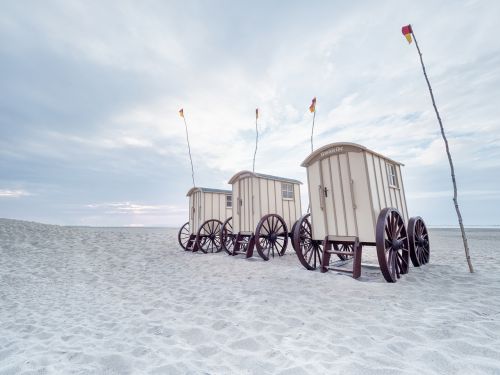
(256, 113)
(181, 112)
(407, 32)
(312, 107)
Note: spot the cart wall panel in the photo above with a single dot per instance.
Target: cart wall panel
(389, 196)
(374, 185)
(279, 199)
(399, 204)
(264, 196)
(297, 204)
(220, 205)
(379, 182)
(404, 208)
(191, 213)
(195, 211)
(338, 196)
(317, 217)
(385, 183)
(346, 187)
(236, 207)
(246, 208)
(286, 213)
(206, 208)
(272, 196)
(242, 204)
(325, 179)
(257, 203)
(217, 202)
(228, 210)
(362, 199)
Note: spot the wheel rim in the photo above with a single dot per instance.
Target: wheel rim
(271, 236)
(419, 241)
(184, 235)
(309, 251)
(208, 237)
(392, 244)
(227, 236)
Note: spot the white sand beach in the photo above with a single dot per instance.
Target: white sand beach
(79, 300)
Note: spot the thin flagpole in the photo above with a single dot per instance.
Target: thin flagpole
(312, 130)
(189, 148)
(256, 137)
(455, 193)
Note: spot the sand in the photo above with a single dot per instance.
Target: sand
(130, 301)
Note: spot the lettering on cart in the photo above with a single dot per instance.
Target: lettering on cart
(333, 150)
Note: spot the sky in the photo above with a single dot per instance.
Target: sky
(90, 132)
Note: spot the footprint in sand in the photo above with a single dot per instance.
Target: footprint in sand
(248, 344)
(114, 364)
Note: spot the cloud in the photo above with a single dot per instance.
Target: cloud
(5, 193)
(135, 208)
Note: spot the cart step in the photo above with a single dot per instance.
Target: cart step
(337, 269)
(337, 252)
(191, 245)
(244, 244)
(331, 241)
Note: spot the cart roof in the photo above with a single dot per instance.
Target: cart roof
(339, 147)
(208, 190)
(244, 174)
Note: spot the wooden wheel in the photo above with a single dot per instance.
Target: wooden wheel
(419, 241)
(392, 244)
(344, 247)
(183, 236)
(309, 251)
(227, 236)
(208, 237)
(271, 236)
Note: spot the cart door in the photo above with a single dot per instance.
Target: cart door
(239, 206)
(196, 211)
(336, 196)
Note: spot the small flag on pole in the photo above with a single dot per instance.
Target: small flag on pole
(256, 112)
(312, 107)
(181, 112)
(407, 32)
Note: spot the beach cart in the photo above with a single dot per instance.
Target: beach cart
(265, 208)
(357, 199)
(208, 210)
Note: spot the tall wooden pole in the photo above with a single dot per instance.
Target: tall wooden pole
(189, 148)
(312, 130)
(256, 137)
(455, 194)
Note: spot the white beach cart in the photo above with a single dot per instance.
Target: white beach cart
(357, 199)
(208, 209)
(265, 207)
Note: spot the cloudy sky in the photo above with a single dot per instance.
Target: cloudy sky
(90, 133)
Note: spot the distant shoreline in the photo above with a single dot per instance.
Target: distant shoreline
(441, 226)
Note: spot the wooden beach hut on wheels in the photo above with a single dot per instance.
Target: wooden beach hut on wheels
(208, 210)
(265, 208)
(357, 199)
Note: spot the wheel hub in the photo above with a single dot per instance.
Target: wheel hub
(273, 237)
(421, 242)
(397, 244)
